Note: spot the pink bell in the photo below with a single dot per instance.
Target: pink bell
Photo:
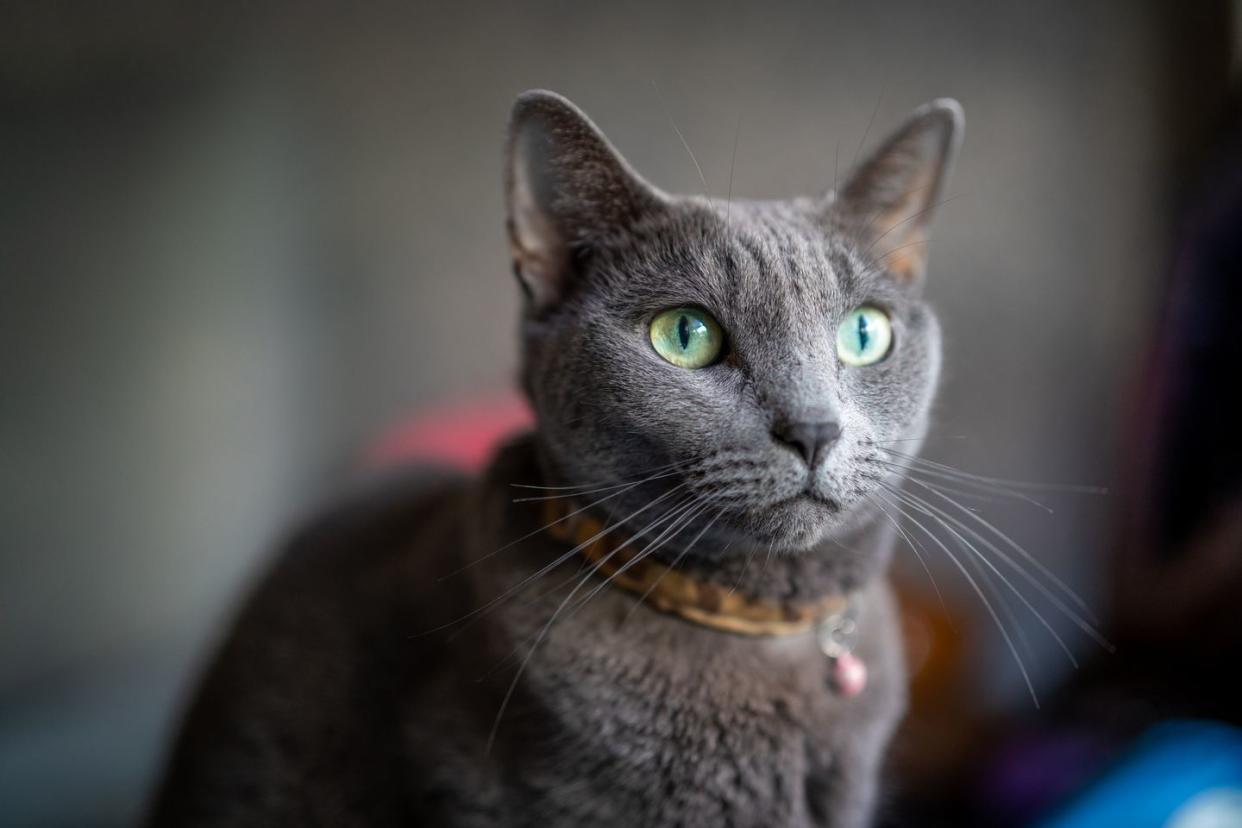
(849, 674)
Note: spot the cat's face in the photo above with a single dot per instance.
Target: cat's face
(738, 355)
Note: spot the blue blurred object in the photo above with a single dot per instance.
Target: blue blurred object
(1180, 774)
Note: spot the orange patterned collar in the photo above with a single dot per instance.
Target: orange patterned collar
(675, 592)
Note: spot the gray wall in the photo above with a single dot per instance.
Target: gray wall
(233, 246)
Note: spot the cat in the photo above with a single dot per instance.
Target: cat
(713, 383)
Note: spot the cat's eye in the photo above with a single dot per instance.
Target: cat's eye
(864, 336)
(687, 337)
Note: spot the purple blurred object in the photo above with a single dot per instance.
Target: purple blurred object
(1034, 770)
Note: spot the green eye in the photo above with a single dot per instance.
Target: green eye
(864, 337)
(687, 337)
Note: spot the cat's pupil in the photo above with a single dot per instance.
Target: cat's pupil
(863, 336)
(683, 332)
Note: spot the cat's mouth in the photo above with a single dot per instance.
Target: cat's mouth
(798, 521)
(810, 496)
(810, 501)
(820, 499)
(816, 493)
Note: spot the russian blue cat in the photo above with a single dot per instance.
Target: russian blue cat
(664, 606)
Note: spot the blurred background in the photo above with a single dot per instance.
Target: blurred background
(239, 242)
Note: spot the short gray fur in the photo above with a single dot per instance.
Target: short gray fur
(330, 703)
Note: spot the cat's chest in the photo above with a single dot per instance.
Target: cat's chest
(724, 722)
(650, 675)
(643, 709)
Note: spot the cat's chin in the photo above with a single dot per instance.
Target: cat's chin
(800, 523)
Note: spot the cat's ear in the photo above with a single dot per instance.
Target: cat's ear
(890, 198)
(566, 188)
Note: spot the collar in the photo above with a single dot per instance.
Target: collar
(676, 592)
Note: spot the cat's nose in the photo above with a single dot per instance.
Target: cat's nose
(811, 440)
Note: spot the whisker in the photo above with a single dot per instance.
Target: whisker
(968, 546)
(968, 488)
(1071, 488)
(491, 737)
(983, 598)
(879, 443)
(504, 702)
(768, 559)
(919, 552)
(888, 253)
(870, 121)
(836, 157)
(555, 563)
(674, 564)
(910, 469)
(593, 491)
(910, 218)
(584, 566)
(684, 519)
(628, 487)
(750, 556)
(566, 582)
(655, 470)
(1039, 565)
(737, 132)
(680, 137)
(973, 494)
(1079, 620)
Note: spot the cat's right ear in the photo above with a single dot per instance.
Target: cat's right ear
(566, 189)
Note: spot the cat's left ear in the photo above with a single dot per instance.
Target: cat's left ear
(889, 200)
(566, 190)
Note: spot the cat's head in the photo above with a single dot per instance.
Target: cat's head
(746, 356)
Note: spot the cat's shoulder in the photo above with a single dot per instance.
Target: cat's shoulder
(328, 630)
(383, 508)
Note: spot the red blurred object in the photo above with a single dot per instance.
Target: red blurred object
(462, 434)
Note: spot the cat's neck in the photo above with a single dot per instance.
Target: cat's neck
(836, 566)
(839, 565)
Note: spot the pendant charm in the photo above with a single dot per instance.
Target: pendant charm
(849, 675)
(837, 636)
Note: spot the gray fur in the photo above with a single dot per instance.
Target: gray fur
(329, 702)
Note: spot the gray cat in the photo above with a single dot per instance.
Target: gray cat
(713, 384)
